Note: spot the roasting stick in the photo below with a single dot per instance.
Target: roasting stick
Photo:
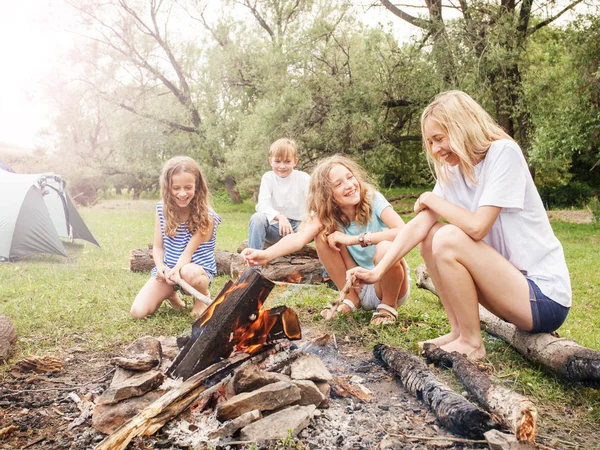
(190, 290)
(336, 304)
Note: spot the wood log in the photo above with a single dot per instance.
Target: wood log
(236, 306)
(515, 411)
(563, 356)
(300, 267)
(166, 407)
(452, 409)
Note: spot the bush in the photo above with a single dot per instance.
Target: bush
(575, 194)
(594, 207)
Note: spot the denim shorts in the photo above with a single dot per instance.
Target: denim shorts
(547, 315)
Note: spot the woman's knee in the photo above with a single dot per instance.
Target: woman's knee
(194, 275)
(447, 240)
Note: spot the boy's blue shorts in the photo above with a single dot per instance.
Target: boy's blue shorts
(547, 315)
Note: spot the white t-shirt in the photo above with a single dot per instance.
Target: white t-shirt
(522, 232)
(285, 196)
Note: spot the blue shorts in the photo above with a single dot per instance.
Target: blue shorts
(547, 315)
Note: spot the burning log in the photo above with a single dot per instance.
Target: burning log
(452, 409)
(235, 321)
(516, 412)
(563, 356)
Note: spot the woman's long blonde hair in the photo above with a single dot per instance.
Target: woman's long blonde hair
(320, 195)
(198, 219)
(470, 130)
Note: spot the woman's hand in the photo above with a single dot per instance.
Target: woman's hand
(337, 239)
(172, 274)
(420, 203)
(363, 276)
(254, 257)
(161, 272)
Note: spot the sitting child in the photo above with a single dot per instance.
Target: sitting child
(184, 239)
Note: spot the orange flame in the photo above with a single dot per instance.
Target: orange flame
(252, 337)
(211, 309)
(295, 277)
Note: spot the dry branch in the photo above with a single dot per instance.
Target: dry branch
(452, 409)
(516, 412)
(563, 356)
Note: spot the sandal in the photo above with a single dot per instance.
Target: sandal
(346, 302)
(384, 315)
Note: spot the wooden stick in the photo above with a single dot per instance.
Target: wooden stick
(336, 304)
(190, 290)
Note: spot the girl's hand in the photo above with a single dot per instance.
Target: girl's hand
(254, 257)
(161, 273)
(172, 274)
(420, 203)
(337, 239)
(363, 276)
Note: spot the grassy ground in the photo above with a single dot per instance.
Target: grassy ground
(57, 304)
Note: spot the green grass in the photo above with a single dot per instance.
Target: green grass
(56, 304)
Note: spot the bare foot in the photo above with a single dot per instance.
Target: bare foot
(439, 341)
(342, 308)
(472, 353)
(175, 301)
(198, 309)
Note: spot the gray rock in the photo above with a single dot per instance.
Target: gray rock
(251, 378)
(133, 386)
(309, 367)
(230, 427)
(267, 398)
(276, 426)
(8, 338)
(309, 393)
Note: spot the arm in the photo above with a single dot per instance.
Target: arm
(289, 244)
(407, 238)
(193, 244)
(158, 251)
(391, 219)
(265, 198)
(476, 224)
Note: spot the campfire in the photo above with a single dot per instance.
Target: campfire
(255, 386)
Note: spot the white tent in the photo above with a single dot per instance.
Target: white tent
(35, 212)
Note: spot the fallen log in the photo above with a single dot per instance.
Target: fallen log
(562, 356)
(515, 411)
(299, 267)
(452, 409)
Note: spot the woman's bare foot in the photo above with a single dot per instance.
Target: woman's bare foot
(175, 301)
(198, 309)
(472, 353)
(439, 341)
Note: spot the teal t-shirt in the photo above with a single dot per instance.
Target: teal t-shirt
(364, 256)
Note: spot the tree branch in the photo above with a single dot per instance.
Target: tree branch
(548, 21)
(415, 21)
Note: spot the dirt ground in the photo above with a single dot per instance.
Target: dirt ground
(39, 413)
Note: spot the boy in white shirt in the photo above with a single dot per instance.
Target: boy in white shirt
(281, 198)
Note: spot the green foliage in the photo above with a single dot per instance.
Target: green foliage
(594, 206)
(573, 195)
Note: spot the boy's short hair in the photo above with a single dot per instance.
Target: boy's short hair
(283, 148)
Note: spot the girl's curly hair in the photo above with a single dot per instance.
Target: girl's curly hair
(320, 195)
(198, 219)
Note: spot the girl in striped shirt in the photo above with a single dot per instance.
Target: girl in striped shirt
(184, 239)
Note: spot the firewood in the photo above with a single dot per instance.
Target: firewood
(211, 339)
(166, 407)
(191, 290)
(452, 409)
(341, 296)
(562, 356)
(515, 411)
(355, 391)
(41, 364)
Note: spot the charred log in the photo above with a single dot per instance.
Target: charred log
(516, 412)
(562, 356)
(237, 305)
(453, 410)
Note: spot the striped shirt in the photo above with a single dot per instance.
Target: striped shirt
(174, 246)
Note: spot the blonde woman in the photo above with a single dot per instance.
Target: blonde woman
(498, 249)
(352, 225)
(185, 234)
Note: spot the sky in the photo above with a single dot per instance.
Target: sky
(32, 42)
